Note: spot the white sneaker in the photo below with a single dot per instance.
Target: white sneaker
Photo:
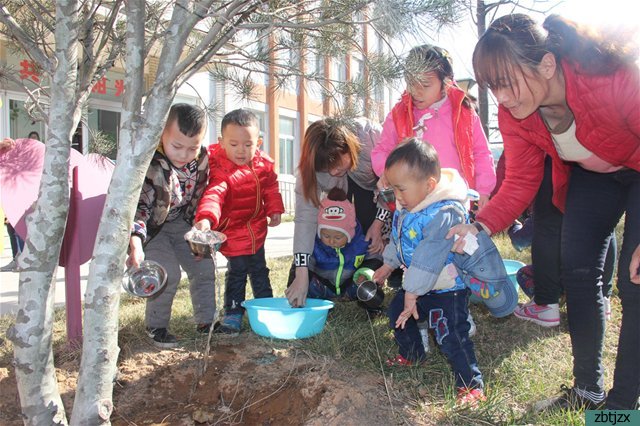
(10, 267)
(472, 325)
(607, 308)
(544, 315)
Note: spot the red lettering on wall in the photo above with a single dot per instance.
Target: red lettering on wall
(28, 70)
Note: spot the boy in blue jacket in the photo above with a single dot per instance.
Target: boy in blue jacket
(436, 281)
(340, 249)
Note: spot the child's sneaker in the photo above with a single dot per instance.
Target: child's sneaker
(229, 324)
(544, 315)
(472, 325)
(470, 397)
(398, 361)
(162, 338)
(607, 308)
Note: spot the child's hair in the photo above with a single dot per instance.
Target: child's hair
(34, 135)
(325, 141)
(428, 58)
(240, 117)
(516, 42)
(337, 194)
(421, 157)
(192, 120)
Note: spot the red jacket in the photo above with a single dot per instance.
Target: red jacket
(402, 115)
(238, 200)
(607, 117)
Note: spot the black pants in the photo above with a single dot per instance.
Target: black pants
(545, 247)
(238, 268)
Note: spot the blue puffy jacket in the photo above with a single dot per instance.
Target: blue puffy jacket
(337, 266)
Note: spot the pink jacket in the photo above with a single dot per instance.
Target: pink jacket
(463, 147)
(607, 116)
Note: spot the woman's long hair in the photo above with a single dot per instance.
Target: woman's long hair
(517, 43)
(324, 144)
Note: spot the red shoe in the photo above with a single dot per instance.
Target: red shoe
(470, 397)
(398, 361)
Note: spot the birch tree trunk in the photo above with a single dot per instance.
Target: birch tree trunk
(31, 334)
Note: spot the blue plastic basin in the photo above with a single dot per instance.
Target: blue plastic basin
(512, 267)
(274, 317)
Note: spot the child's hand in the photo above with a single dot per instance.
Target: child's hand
(136, 252)
(410, 310)
(274, 219)
(203, 225)
(482, 201)
(382, 273)
(382, 183)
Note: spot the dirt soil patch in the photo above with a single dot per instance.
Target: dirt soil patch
(247, 381)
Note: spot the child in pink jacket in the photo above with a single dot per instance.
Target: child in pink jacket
(435, 110)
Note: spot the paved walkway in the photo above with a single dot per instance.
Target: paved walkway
(279, 243)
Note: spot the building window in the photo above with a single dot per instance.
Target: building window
(286, 139)
(262, 125)
(21, 124)
(104, 128)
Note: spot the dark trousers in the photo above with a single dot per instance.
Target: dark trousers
(238, 268)
(16, 242)
(362, 199)
(545, 247)
(595, 204)
(447, 314)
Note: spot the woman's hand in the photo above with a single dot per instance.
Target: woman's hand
(374, 236)
(410, 310)
(634, 266)
(460, 230)
(296, 293)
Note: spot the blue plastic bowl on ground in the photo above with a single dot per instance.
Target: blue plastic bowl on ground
(274, 317)
(512, 267)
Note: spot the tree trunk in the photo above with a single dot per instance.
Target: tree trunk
(31, 334)
(483, 100)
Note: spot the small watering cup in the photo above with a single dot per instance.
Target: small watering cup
(146, 280)
(202, 243)
(370, 294)
(387, 198)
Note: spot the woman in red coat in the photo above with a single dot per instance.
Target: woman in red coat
(572, 96)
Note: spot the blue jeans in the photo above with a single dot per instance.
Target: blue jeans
(447, 314)
(238, 268)
(595, 204)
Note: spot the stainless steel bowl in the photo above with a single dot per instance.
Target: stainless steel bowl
(203, 243)
(146, 280)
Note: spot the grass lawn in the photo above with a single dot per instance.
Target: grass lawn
(521, 362)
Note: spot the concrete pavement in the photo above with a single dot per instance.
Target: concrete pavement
(279, 243)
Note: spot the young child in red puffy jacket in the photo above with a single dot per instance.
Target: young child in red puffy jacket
(242, 193)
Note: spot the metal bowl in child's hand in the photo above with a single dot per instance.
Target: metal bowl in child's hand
(203, 243)
(146, 280)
